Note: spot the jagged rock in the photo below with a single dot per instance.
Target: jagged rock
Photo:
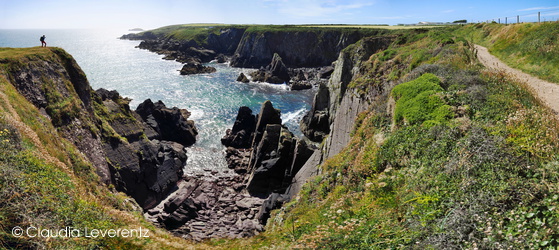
(196, 68)
(108, 94)
(278, 69)
(270, 161)
(241, 134)
(315, 124)
(309, 169)
(170, 124)
(276, 72)
(243, 78)
(268, 115)
(128, 124)
(238, 159)
(186, 212)
(303, 151)
(273, 155)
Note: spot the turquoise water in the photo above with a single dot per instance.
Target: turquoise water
(213, 99)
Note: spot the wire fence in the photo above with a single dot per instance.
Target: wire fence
(550, 14)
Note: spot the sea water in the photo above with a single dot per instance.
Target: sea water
(213, 99)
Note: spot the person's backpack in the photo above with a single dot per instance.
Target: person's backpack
(42, 38)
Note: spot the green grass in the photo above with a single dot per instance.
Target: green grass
(200, 32)
(530, 47)
(418, 102)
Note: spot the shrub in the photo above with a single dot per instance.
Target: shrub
(418, 102)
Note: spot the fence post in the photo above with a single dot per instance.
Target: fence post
(506, 20)
(499, 20)
(538, 17)
(518, 19)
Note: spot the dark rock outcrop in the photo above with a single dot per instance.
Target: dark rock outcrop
(149, 163)
(273, 154)
(196, 68)
(276, 72)
(146, 170)
(243, 78)
(170, 124)
(315, 125)
(240, 136)
(217, 45)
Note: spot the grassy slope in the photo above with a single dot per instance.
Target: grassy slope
(45, 182)
(487, 176)
(532, 48)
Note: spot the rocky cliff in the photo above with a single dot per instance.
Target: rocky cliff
(304, 48)
(140, 153)
(335, 106)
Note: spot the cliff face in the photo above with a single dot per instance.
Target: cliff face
(336, 107)
(296, 48)
(131, 151)
(58, 88)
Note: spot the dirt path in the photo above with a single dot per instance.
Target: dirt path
(548, 92)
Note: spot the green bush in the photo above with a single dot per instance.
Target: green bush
(418, 102)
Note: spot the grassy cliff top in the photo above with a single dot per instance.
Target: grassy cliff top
(197, 32)
(16, 53)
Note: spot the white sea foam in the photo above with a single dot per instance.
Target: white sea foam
(293, 116)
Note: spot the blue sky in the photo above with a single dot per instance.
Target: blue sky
(30, 14)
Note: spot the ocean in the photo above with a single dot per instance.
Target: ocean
(213, 99)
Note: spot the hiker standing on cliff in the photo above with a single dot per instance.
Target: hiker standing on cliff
(43, 41)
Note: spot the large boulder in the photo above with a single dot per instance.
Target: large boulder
(243, 78)
(171, 124)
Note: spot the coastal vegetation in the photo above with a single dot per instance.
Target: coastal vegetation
(448, 154)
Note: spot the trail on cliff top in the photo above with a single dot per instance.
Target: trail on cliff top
(546, 91)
